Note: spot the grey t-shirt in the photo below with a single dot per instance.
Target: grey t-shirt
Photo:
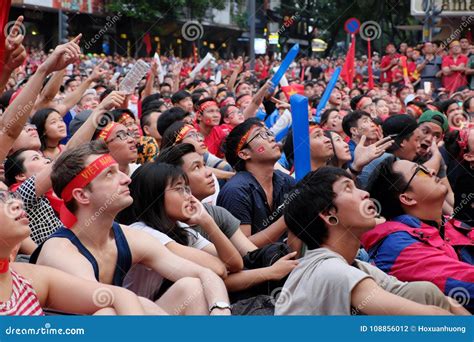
(428, 74)
(227, 222)
(322, 284)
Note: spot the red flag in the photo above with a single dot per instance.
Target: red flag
(293, 89)
(195, 55)
(369, 61)
(403, 59)
(147, 42)
(347, 72)
(4, 10)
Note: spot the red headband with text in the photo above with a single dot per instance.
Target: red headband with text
(105, 133)
(87, 175)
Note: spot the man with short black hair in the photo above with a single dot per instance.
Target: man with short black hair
(182, 99)
(403, 128)
(417, 242)
(256, 193)
(84, 177)
(325, 213)
(356, 124)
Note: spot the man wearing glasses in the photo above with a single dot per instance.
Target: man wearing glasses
(256, 193)
(417, 243)
(122, 145)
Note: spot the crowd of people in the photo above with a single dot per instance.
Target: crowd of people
(180, 197)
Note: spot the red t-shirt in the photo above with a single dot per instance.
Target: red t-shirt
(385, 62)
(457, 78)
(214, 140)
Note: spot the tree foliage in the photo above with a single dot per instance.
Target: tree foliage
(152, 10)
(329, 16)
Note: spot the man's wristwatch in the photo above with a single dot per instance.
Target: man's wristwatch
(220, 305)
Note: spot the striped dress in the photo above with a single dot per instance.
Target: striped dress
(23, 301)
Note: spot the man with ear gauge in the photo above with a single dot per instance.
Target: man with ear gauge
(330, 214)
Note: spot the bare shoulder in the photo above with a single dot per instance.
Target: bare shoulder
(55, 247)
(61, 254)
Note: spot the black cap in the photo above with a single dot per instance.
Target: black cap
(399, 126)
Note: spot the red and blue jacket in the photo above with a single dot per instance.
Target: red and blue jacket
(412, 250)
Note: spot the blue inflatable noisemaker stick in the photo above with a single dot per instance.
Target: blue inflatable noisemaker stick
(300, 123)
(327, 94)
(289, 58)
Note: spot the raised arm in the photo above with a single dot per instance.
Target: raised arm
(257, 100)
(74, 97)
(235, 74)
(19, 110)
(46, 97)
(176, 76)
(150, 80)
(15, 53)
(96, 119)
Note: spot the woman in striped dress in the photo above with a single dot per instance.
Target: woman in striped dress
(26, 289)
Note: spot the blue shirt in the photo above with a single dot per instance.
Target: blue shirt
(364, 176)
(352, 146)
(243, 196)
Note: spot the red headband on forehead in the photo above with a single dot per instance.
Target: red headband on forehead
(207, 104)
(106, 131)
(87, 175)
(416, 109)
(124, 117)
(244, 138)
(227, 101)
(359, 104)
(182, 133)
(312, 128)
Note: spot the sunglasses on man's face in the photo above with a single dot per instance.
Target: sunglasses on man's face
(419, 170)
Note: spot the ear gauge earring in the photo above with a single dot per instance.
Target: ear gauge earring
(333, 220)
